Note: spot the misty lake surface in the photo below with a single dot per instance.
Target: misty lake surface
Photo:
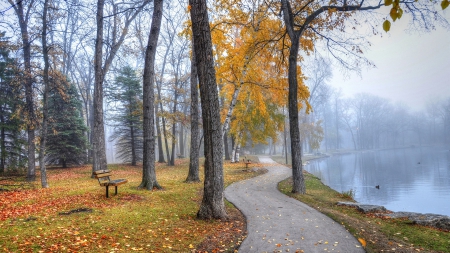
(411, 179)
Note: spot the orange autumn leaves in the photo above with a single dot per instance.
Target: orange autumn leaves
(251, 58)
(363, 242)
(43, 202)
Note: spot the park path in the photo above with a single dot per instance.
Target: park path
(278, 223)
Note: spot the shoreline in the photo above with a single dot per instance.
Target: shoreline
(440, 221)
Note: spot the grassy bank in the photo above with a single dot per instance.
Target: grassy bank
(74, 215)
(379, 234)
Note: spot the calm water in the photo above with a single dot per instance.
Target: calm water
(414, 179)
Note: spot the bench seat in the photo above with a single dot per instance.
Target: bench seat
(104, 180)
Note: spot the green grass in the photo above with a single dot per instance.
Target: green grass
(350, 194)
(134, 220)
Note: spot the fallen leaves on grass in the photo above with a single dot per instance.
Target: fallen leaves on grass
(363, 242)
(148, 221)
(227, 236)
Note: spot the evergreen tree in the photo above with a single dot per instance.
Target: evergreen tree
(66, 141)
(126, 115)
(12, 142)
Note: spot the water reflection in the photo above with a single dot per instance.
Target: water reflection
(414, 179)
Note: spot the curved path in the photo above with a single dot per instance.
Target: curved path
(278, 223)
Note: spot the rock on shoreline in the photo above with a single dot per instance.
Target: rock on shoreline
(427, 219)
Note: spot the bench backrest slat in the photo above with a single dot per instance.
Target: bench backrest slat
(103, 175)
(101, 172)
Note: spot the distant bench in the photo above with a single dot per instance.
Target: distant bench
(103, 180)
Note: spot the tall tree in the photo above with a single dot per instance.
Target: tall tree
(313, 19)
(118, 34)
(23, 10)
(212, 205)
(126, 116)
(176, 61)
(43, 135)
(66, 141)
(98, 131)
(148, 168)
(11, 143)
(193, 174)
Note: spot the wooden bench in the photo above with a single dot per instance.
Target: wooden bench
(104, 180)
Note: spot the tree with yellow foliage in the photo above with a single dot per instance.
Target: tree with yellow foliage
(250, 56)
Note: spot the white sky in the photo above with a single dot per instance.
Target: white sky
(410, 68)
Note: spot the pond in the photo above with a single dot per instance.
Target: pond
(411, 179)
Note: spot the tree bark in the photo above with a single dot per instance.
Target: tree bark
(133, 145)
(158, 133)
(212, 206)
(148, 168)
(98, 142)
(193, 174)
(43, 136)
(158, 128)
(174, 123)
(296, 148)
(23, 19)
(226, 149)
(163, 120)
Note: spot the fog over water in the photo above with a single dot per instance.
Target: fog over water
(411, 179)
(411, 68)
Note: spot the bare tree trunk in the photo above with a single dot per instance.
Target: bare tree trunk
(149, 174)
(296, 148)
(172, 152)
(181, 140)
(23, 19)
(133, 145)
(233, 149)
(43, 136)
(225, 143)
(163, 122)
(183, 133)
(212, 206)
(91, 126)
(193, 175)
(165, 135)
(237, 152)
(98, 142)
(158, 128)
(158, 133)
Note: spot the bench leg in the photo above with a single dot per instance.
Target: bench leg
(116, 190)
(107, 191)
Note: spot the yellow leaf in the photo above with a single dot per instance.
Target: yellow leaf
(191, 246)
(189, 7)
(386, 25)
(362, 241)
(399, 13)
(387, 2)
(444, 4)
(393, 14)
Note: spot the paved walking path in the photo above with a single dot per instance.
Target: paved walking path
(277, 223)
